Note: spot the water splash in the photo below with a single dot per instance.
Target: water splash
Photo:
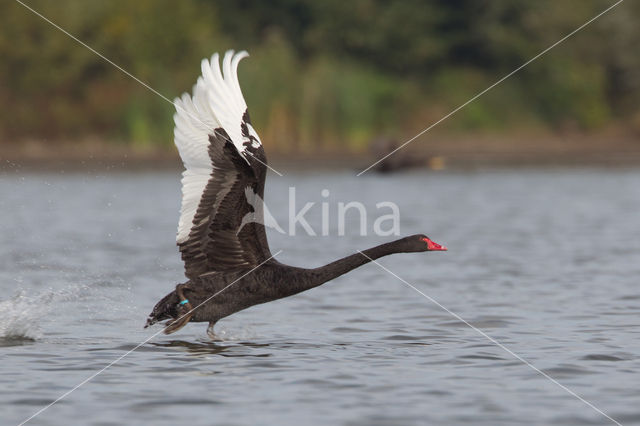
(23, 314)
(233, 335)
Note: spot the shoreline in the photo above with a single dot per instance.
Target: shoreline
(434, 152)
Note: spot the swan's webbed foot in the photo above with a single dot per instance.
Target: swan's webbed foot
(184, 311)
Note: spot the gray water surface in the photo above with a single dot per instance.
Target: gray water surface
(546, 262)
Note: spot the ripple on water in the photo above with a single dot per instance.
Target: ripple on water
(174, 401)
(349, 330)
(37, 402)
(482, 356)
(404, 337)
(605, 357)
(567, 371)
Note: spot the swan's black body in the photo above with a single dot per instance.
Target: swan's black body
(239, 289)
(227, 259)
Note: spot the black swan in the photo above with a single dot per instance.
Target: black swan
(224, 255)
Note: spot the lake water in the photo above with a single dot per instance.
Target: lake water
(547, 262)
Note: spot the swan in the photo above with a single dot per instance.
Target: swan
(226, 256)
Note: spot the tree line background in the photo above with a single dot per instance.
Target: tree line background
(326, 75)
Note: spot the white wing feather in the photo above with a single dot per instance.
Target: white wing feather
(217, 102)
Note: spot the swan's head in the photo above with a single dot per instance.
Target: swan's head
(421, 242)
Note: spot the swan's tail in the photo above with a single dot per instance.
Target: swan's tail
(170, 307)
(164, 309)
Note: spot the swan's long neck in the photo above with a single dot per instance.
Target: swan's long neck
(317, 276)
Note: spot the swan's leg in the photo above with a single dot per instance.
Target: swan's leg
(184, 305)
(184, 311)
(210, 332)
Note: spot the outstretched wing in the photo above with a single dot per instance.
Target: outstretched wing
(223, 156)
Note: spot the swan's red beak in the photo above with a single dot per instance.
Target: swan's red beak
(433, 246)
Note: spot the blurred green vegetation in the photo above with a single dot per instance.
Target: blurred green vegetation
(322, 74)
